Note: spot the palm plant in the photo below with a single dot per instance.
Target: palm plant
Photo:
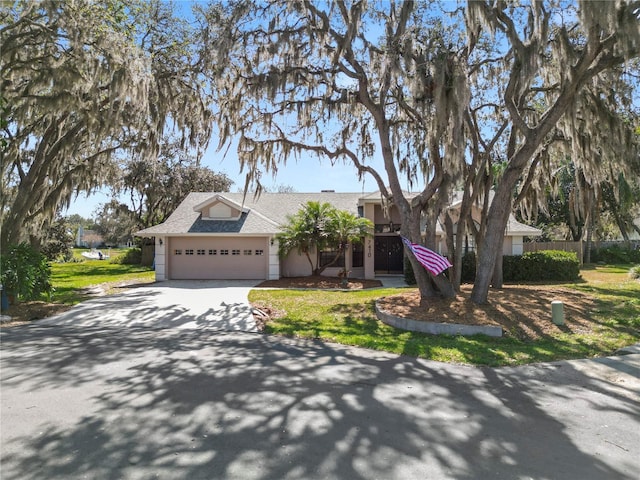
(344, 229)
(318, 226)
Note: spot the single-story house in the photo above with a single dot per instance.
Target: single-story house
(514, 233)
(230, 236)
(88, 238)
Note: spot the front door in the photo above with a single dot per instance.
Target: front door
(389, 254)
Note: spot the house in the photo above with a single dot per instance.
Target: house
(88, 238)
(515, 231)
(230, 236)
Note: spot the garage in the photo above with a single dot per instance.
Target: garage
(218, 258)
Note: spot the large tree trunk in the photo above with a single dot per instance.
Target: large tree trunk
(411, 215)
(454, 251)
(497, 280)
(490, 244)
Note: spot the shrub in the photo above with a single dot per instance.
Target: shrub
(615, 254)
(512, 268)
(468, 267)
(634, 272)
(133, 256)
(25, 272)
(549, 265)
(409, 276)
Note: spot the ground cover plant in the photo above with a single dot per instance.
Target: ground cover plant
(602, 315)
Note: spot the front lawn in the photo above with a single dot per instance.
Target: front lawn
(79, 280)
(71, 280)
(349, 318)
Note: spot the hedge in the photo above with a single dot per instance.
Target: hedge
(530, 267)
(546, 265)
(615, 254)
(132, 256)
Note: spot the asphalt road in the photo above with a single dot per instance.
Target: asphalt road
(110, 402)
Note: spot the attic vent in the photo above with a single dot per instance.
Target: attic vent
(327, 191)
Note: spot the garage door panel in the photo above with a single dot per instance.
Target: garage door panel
(218, 258)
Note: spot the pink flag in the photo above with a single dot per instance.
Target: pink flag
(434, 263)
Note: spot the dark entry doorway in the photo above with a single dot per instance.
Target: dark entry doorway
(389, 254)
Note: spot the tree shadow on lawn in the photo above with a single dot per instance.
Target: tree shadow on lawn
(201, 405)
(529, 333)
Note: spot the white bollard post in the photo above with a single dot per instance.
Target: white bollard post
(557, 312)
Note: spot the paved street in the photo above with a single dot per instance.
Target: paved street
(83, 400)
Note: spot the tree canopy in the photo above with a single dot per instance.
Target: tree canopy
(483, 97)
(83, 81)
(155, 187)
(344, 81)
(561, 78)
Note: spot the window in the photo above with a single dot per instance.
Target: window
(188, 252)
(386, 227)
(247, 252)
(224, 252)
(259, 252)
(213, 252)
(178, 252)
(357, 259)
(327, 256)
(235, 252)
(200, 251)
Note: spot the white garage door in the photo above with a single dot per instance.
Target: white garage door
(217, 258)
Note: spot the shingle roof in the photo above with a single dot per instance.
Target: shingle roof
(269, 211)
(266, 213)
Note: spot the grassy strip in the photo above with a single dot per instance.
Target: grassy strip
(69, 279)
(349, 318)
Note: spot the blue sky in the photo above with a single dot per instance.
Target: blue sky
(307, 175)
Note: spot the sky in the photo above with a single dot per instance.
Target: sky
(307, 175)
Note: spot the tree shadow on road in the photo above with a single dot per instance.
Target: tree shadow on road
(201, 405)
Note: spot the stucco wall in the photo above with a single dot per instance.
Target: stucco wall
(369, 264)
(160, 259)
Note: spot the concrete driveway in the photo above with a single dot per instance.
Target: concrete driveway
(204, 304)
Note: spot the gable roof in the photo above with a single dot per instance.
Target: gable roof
(262, 215)
(265, 214)
(220, 198)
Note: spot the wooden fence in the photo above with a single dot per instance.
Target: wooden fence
(565, 246)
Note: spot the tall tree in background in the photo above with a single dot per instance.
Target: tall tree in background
(560, 74)
(156, 187)
(344, 80)
(82, 80)
(115, 222)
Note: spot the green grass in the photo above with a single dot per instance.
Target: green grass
(69, 279)
(349, 318)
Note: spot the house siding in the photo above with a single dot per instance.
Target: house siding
(160, 259)
(261, 218)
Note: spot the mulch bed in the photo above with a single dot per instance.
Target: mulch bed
(321, 282)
